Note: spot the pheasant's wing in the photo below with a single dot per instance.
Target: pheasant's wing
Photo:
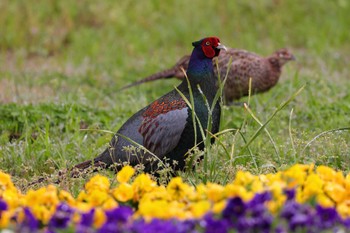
(163, 124)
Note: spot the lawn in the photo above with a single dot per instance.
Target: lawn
(62, 64)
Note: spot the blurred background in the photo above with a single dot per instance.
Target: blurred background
(62, 63)
(108, 44)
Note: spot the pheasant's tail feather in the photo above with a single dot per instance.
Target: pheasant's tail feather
(175, 71)
(160, 75)
(81, 167)
(84, 165)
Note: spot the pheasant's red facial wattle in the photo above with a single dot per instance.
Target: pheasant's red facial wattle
(209, 46)
(208, 51)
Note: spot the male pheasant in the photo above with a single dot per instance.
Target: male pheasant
(166, 127)
(264, 71)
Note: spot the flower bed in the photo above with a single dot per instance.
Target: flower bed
(301, 198)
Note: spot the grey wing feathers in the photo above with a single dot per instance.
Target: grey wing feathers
(162, 134)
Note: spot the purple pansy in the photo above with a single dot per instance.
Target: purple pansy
(120, 214)
(290, 193)
(346, 223)
(235, 208)
(164, 226)
(259, 199)
(250, 216)
(29, 223)
(3, 205)
(327, 217)
(86, 221)
(62, 217)
(212, 224)
(292, 208)
(117, 220)
(298, 216)
(301, 222)
(187, 226)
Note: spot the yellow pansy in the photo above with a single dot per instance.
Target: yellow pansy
(324, 200)
(12, 197)
(257, 186)
(272, 206)
(274, 179)
(96, 197)
(328, 174)
(5, 182)
(177, 189)
(66, 197)
(76, 218)
(278, 196)
(157, 193)
(344, 209)
(276, 187)
(215, 192)
(299, 194)
(232, 190)
(243, 178)
(42, 202)
(141, 185)
(276, 204)
(199, 193)
(335, 191)
(82, 196)
(347, 183)
(110, 203)
(83, 206)
(97, 182)
(154, 209)
(99, 217)
(42, 212)
(50, 196)
(312, 186)
(339, 178)
(177, 209)
(218, 207)
(125, 174)
(296, 175)
(162, 209)
(200, 208)
(124, 192)
(5, 219)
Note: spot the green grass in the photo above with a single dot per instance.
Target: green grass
(62, 63)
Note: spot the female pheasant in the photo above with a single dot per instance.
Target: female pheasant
(166, 127)
(264, 71)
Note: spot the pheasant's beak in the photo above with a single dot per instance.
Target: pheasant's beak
(292, 58)
(220, 46)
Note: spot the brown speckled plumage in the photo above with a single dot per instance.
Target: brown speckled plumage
(264, 71)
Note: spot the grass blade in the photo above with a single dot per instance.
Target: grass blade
(257, 133)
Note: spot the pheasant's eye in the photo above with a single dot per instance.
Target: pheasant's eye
(207, 43)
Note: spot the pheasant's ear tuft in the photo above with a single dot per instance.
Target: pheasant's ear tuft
(197, 43)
